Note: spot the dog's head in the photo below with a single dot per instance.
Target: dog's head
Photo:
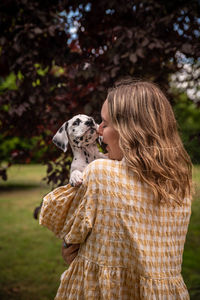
(79, 131)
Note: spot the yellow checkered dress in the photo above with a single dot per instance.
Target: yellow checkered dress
(131, 246)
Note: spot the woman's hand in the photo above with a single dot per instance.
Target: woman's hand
(69, 252)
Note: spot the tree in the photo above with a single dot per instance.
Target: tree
(58, 76)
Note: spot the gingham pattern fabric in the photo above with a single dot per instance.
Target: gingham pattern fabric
(131, 246)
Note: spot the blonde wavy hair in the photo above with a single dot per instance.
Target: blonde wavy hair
(149, 139)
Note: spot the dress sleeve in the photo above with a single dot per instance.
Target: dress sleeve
(70, 212)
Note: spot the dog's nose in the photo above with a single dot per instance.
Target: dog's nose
(89, 123)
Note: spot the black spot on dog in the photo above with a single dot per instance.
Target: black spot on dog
(81, 138)
(85, 153)
(76, 142)
(76, 122)
(87, 160)
(61, 129)
(89, 123)
(63, 146)
(66, 126)
(59, 144)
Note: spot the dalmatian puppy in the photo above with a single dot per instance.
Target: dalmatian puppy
(80, 133)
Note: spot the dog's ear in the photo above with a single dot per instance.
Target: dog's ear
(60, 139)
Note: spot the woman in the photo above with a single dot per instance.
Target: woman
(131, 214)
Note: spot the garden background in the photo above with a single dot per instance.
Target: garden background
(58, 58)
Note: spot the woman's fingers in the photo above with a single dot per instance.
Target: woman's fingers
(70, 252)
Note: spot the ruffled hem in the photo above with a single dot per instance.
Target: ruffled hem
(87, 280)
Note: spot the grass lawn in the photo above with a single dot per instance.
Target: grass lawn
(30, 255)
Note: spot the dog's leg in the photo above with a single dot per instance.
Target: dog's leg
(37, 210)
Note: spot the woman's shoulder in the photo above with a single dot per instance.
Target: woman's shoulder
(103, 166)
(104, 163)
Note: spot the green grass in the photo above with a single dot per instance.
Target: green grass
(30, 255)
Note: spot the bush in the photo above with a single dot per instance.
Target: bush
(188, 116)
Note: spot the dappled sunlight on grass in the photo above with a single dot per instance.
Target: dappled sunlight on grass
(25, 175)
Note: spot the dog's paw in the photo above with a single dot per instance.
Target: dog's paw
(76, 178)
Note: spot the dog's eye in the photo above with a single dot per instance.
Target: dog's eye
(77, 122)
(89, 123)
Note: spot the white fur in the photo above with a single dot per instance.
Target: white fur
(81, 133)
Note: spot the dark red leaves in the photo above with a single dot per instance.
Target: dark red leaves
(61, 76)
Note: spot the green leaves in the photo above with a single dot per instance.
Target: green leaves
(188, 116)
(9, 83)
